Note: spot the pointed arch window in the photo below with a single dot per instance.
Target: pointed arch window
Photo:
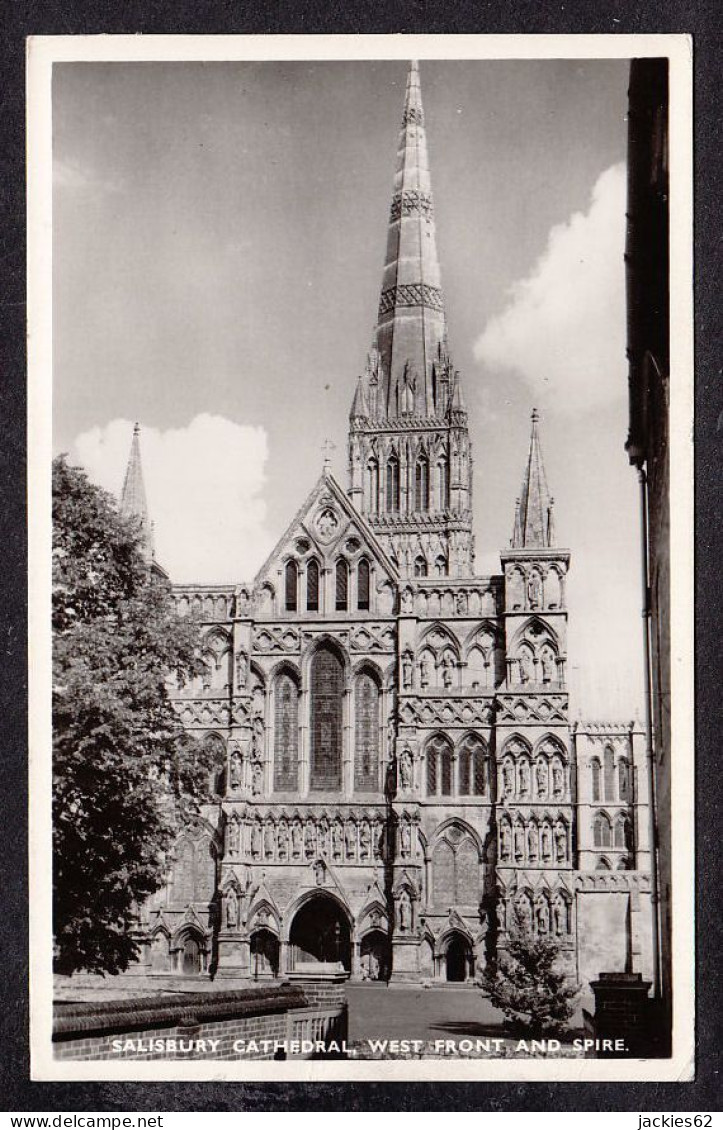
(472, 768)
(362, 586)
(312, 586)
(623, 779)
(421, 484)
(443, 484)
(286, 733)
(420, 566)
(373, 486)
(440, 566)
(439, 767)
(609, 774)
(393, 485)
(342, 585)
(327, 691)
(602, 832)
(291, 584)
(623, 833)
(595, 769)
(366, 754)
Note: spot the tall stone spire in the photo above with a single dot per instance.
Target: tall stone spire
(410, 457)
(534, 526)
(133, 502)
(410, 335)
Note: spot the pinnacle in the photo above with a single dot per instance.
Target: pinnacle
(534, 524)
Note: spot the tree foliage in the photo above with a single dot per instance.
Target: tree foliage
(122, 765)
(530, 984)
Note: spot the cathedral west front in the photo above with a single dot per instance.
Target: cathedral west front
(398, 776)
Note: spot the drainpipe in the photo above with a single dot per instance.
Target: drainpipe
(649, 743)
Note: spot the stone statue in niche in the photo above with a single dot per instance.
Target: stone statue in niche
(527, 666)
(548, 667)
(546, 843)
(319, 873)
(559, 916)
(541, 777)
(232, 837)
(534, 590)
(560, 843)
(405, 911)
(241, 670)
(322, 839)
(283, 841)
(524, 912)
(256, 839)
(461, 603)
(243, 601)
(309, 839)
(257, 779)
(231, 903)
(351, 840)
(448, 670)
(406, 839)
(524, 778)
(407, 602)
(296, 839)
(505, 841)
(337, 841)
(236, 771)
(543, 917)
(424, 672)
(364, 841)
(502, 915)
(269, 839)
(407, 671)
(532, 842)
(557, 779)
(519, 841)
(327, 523)
(508, 780)
(405, 770)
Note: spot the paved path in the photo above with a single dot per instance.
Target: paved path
(380, 1012)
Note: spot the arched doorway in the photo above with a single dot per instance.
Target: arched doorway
(320, 935)
(190, 956)
(458, 958)
(264, 954)
(374, 956)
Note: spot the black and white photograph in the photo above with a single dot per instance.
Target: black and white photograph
(362, 730)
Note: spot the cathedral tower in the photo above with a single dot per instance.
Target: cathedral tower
(410, 461)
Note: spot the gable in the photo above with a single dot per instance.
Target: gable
(326, 527)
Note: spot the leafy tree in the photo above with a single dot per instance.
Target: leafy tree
(123, 767)
(530, 984)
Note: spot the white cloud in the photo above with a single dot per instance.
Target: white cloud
(563, 329)
(204, 486)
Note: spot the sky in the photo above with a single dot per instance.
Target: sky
(218, 243)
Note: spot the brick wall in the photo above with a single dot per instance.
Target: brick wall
(169, 1028)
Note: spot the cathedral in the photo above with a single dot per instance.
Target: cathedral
(398, 775)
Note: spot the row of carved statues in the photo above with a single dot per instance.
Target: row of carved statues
(543, 913)
(352, 840)
(521, 781)
(529, 842)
